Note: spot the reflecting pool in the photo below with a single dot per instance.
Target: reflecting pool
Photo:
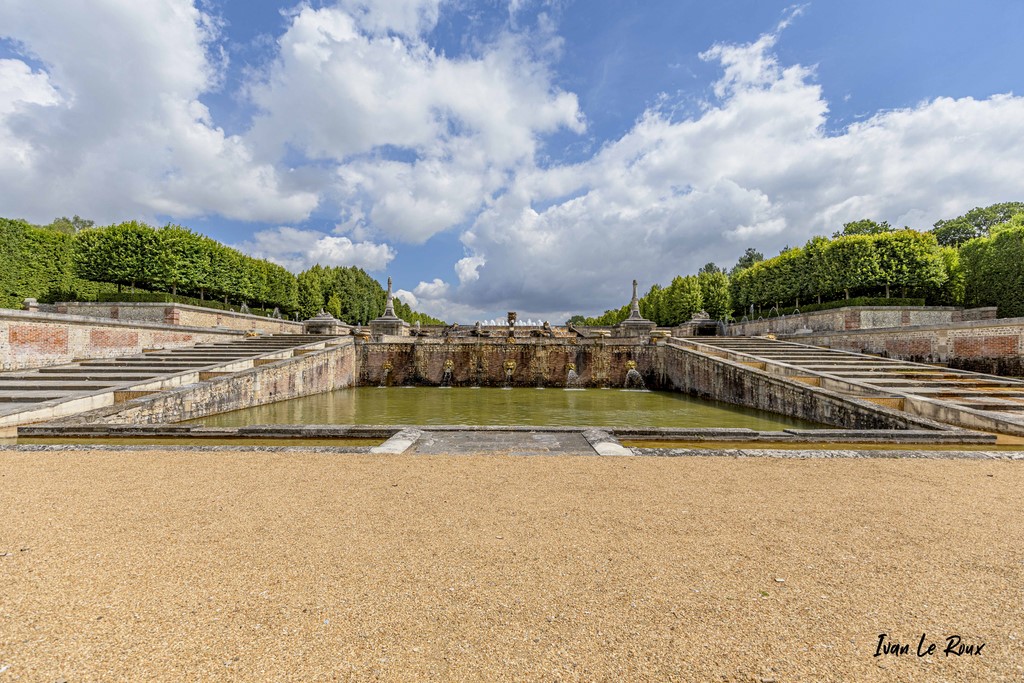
(491, 406)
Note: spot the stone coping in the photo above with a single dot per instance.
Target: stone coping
(903, 329)
(643, 452)
(825, 435)
(70, 319)
(189, 307)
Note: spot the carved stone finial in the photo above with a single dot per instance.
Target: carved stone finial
(389, 303)
(634, 305)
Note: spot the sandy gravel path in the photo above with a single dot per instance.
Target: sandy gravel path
(185, 566)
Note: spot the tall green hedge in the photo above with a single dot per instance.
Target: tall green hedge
(37, 262)
(994, 269)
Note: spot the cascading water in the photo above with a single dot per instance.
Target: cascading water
(572, 380)
(634, 380)
(446, 376)
(387, 367)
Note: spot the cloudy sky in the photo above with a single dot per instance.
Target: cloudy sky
(496, 155)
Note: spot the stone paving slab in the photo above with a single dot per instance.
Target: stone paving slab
(509, 443)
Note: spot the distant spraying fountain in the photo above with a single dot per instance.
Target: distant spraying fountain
(572, 380)
(634, 380)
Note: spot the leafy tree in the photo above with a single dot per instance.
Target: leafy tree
(851, 263)
(681, 299)
(710, 268)
(651, 304)
(70, 226)
(576, 320)
(714, 291)
(749, 258)
(908, 258)
(977, 222)
(864, 226)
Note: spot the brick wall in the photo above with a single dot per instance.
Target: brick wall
(33, 339)
(181, 314)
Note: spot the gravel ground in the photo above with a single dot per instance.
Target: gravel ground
(277, 566)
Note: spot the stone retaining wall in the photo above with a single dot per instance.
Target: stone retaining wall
(181, 314)
(860, 318)
(738, 384)
(311, 373)
(991, 346)
(36, 339)
(537, 362)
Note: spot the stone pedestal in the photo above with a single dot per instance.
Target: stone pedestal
(389, 327)
(389, 324)
(636, 328)
(635, 325)
(324, 323)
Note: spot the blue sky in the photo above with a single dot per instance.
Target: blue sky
(529, 155)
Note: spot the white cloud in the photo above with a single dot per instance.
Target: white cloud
(127, 135)
(421, 140)
(298, 250)
(407, 297)
(755, 168)
(408, 17)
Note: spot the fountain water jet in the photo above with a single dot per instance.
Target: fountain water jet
(634, 380)
(572, 380)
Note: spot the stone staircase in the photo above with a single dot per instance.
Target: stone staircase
(50, 392)
(959, 397)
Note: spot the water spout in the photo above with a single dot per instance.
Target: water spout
(510, 367)
(387, 367)
(572, 380)
(634, 380)
(446, 377)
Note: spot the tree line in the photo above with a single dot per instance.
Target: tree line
(976, 259)
(71, 259)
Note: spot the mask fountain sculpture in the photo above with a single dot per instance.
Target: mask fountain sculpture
(634, 380)
(387, 368)
(510, 367)
(446, 377)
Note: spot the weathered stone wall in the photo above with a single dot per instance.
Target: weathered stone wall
(538, 362)
(310, 373)
(724, 380)
(603, 363)
(860, 318)
(35, 339)
(181, 314)
(991, 346)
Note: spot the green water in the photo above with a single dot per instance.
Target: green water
(526, 407)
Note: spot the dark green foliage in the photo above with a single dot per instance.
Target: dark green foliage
(37, 262)
(73, 261)
(351, 295)
(842, 303)
(994, 269)
(749, 258)
(977, 222)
